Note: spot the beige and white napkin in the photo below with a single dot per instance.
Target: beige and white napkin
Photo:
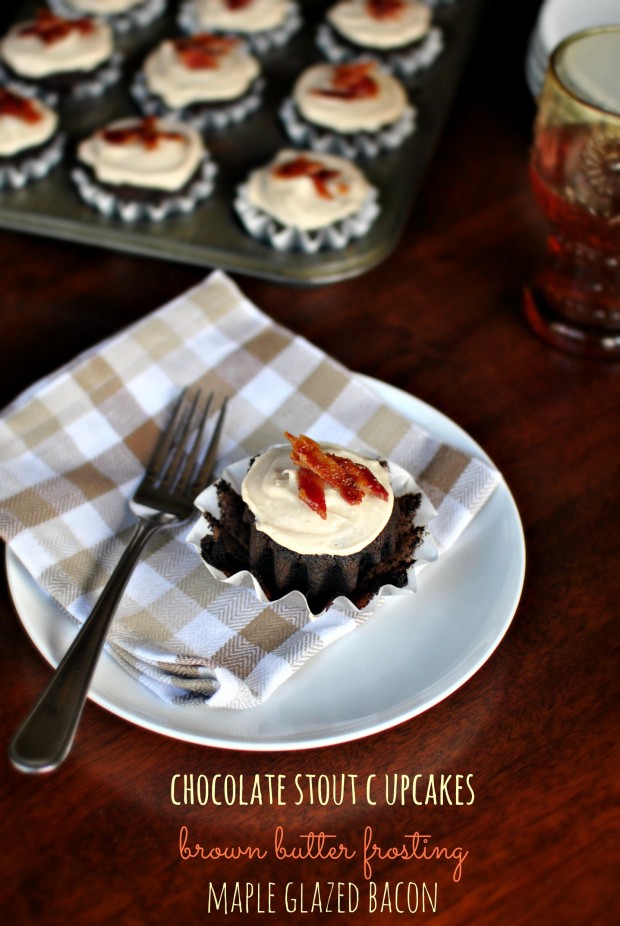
(73, 447)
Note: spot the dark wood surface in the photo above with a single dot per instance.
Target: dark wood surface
(98, 841)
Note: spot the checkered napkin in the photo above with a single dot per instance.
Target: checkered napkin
(73, 448)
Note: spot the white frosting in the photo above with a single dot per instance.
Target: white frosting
(30, 57)
(103, 7)
(352, 19)
(270, 492)
(256, 16)
(349, 115)
(16, 134)
(178, 85)
(295, 201)
(166, 167)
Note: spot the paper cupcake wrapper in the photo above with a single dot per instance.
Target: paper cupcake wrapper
(202, 117)
(264, 227)
(357, 144)
(402, 483)
(136, 210)
(259, 42)
(138, 17)
(35, 167)
(400, 62)
(85, 88)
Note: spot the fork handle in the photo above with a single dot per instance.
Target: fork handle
(44, 739)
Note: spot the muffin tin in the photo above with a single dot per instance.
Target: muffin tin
(212, 235)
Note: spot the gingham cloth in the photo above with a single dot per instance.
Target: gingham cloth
(73, 448)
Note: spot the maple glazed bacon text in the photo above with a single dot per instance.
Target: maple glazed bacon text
(398, 789)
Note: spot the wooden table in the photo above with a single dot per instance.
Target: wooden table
(98, 841)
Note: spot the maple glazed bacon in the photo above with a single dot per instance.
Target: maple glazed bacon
(24, 122)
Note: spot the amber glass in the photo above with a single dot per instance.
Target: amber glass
(574, 302)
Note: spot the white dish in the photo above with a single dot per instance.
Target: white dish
(411, 655)
(558, 19)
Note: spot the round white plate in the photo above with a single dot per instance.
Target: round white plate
(414, 653)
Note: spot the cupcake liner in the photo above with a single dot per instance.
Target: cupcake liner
(402, 483)
(104, 201)
(259, 42)
(356, 144)
(32, 167)
(137, 18)
(403, 62)
(264, 227)
(86, 87)
(199, 114)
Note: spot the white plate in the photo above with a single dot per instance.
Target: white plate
(410, 656)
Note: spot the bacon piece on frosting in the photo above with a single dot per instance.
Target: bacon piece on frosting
(203, 51)
(351, 82)
(50, 28)
(144, 131)
(352, 480)
(385, 9)
(11, 104)
(320, 175)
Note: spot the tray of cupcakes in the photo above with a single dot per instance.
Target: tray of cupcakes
(277, 138)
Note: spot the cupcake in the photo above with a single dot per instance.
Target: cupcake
(30, 141)
(143, 169)
(399, 34)
(264, 24)
(61, 59)
(355, 109)
(122, 15)
(306, 201)
(317, 519)
(208, 80)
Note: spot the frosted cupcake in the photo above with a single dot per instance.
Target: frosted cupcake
(208, 80)
(61, 60)
(399, 34)
(264, 24)
(317, 519)
(30, 141)
(143, 169)
(307, 201)
(122, 15)
(353, 109)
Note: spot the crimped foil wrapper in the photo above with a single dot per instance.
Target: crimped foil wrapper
(402, 484)
(354, 145)
(200, 115)
(264, 227)
(13, 176)
(108, 204)
(138, 17)
(259, 42)
(405, 62)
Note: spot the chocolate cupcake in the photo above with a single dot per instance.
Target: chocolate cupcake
(144, 169)
(122, 15)
(61, 60)
(399, 34)
(30, 141)
(319, 520)
(264, 24)
(208, 80)
(306, 201)
(356, 110)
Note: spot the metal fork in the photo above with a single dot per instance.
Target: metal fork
(176, 473)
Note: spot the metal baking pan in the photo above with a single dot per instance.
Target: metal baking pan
(212, 236)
